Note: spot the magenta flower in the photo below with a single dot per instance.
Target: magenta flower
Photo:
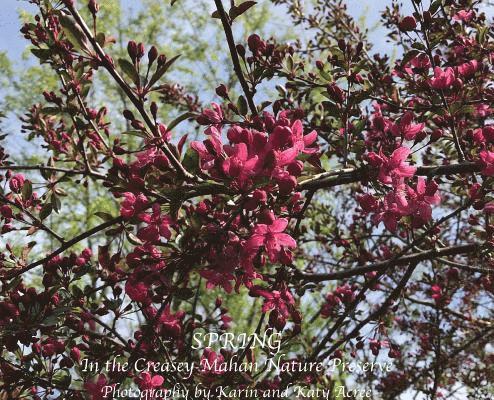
(211, 362)
(217, 278)
(132, 204)
(274, 300)
(487, 158)
(469, 68)
(395, 167)
(405, 128)
(211, 116)
(95, 388)
(272, 238)
(424, 197)
(171, 323)
(489, 208)
(137, 291)
(239, 166)
(158, 225)
(16, 183)
(442, 79)
(147, 382)
(463, 15)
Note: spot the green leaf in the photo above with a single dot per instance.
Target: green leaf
(135, 133)
(72, 31)
(191, 161)
(408, 56)
(179, 119)
(237, 11)
(27, 190)
(242, 105)
(42, 54)
(184, 293)
(129, 69)
(45, 211)
(101, 38)
(62, 378)
(50, 110)
(418, 46)
(161, 71)
(104, 216)
(133, 239)
(435, 6)
(55, 203)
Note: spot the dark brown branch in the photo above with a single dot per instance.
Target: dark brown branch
(381, 266)
(234, 55)
(349, 175)
(107, 63)
(35, 221)
(376, 314)
(52, 169)
(372, 282)
(19, 271)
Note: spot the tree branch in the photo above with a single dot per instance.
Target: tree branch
(234, 55)
(19, 271)
(107, 63)
(352, 175)
(381, 266)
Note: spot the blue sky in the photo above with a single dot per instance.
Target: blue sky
(12, 41)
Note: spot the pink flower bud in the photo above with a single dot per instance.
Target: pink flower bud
(93, 7)
(407, 24)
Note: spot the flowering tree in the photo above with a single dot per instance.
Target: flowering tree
(349, 213)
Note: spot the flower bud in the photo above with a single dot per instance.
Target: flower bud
(222, 91)
(132, 50)
(93, 7)
(161, 60)
(152, 55)
(341, 44)
(336, 93)
(140, 50)
(407, 24)
(154, 109)
(128, 115)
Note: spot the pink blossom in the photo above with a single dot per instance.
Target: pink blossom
(407, 24)
(238, 165)
(132, 204)
(6, 211)
(469, 68)
(272, 238)
(211, 362)
(489, 208)
(218, 278)
(487, 158)
(463, 15)
(171, 323)
(211, 116)
(158, 225)
(405, 128)
(16, 183)
(96, 388)
(423, 198)
(137, 291)
(443, 79)
(274, 300)
(395, 167)
(147, 382)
